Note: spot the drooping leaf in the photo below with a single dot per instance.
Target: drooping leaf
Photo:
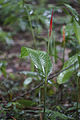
(65, 76)
(34, 75)
(79, 60)
(27, 81)
(74, 107)
(73, 11)
(61, 116)
(29, 73)
(77, 30)
(40, 59)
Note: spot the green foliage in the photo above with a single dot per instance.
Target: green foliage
(2, 112)
(69, 30)
(78, 1)
(64, 1)
(29, 73)
(6, 37)
(60, 116)
(40, 59)
(54, 115)
(73, 11)
(33, 75)
(65, 75)
(79, 60)
(27, 81)
(12, 7)
(16, 14)
(74, 107)
(72, 30)
(62, 20)
(26, 103)
(77, 30)
(3, 68)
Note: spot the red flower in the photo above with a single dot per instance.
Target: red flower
(50, 28)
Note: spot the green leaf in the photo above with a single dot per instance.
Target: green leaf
(61, 116)
(40, 59)
(78, 74)
(6, 37)
(76, 27)
(3, 68)
(26, 103)
(65, 76)
(73, 11)
(69, 29)
(74, 107)
(79, 60)
(27, 81)
(34, 75)
(29, 73)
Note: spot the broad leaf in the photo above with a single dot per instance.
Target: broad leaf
(76, 27)
(65, 76)
(40, 59)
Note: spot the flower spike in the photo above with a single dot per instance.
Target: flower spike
(50, 28)
(63, 32)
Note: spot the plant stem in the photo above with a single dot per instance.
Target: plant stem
(61, 86)
(48, 44)
(40, 95)
(34, 40)
(63, 52)
(45, 92)
(32, 66)
(45, 84)
(23, 3)
(46, 73)
(77, 114)
(54, 50)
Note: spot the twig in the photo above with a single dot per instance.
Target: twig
(50, 77)
(55, 75)
(28, 91)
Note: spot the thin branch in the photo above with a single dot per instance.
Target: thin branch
(18, 97)
(50, 77)
(55, 75)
